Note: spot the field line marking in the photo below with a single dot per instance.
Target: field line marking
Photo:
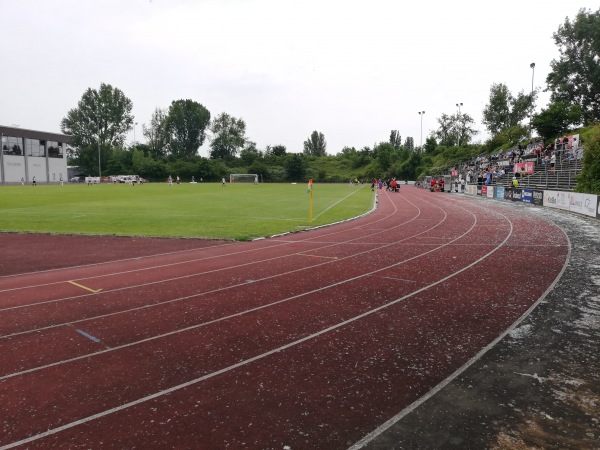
(339, 201)
(254, 358)
(84, 287)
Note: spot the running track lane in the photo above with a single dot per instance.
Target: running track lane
(322, 367)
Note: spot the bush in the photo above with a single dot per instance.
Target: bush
(589, 179)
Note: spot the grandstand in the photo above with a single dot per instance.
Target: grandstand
(540, 175)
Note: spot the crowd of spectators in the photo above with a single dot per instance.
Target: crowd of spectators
(506, 164)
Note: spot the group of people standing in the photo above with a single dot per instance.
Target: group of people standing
(436, 185)
(390, 184)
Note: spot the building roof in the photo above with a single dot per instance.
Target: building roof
(34, 134)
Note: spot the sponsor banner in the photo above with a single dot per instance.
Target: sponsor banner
(478, 189)
(517, 195)
(471, 189)
(484, 190)
(526, 167)
(556, 199)
(583, 204)
(537, 197)
(527, 196)
(454, 173)
(490, 192)
(508, 193)
(499, 193)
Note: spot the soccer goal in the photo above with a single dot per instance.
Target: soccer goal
(243, 178)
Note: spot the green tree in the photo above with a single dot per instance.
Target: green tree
(315, 145)
(575, 77)
(156, 133)
(446, 134)
(99, 122)
(295, 167)
(277, 150)
(249, 155)
(556, 119)
(229, 136)
(463, 127)
(186, 125)
(505, 110)
(430, 145)
(589, 179)
(409, 144)
(395, 139)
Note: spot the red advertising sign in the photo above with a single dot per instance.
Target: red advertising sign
(526, 168)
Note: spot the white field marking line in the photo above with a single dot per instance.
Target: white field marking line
(182, 262)
(295, 219)
(241, 313)
(190, 296)
(410, 408)
(188, 261)
(336, 203)
(249, 360)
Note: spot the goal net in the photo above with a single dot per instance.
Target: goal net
(243, 178)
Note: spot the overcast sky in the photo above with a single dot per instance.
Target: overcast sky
(352, 70)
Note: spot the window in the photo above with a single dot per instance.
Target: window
(34, 147)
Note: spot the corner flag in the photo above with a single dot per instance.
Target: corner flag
(310, 201)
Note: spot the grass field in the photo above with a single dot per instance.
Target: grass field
(236, 211)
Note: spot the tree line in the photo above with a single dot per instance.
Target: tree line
(174, 135)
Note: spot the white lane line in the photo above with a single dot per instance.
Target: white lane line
(201, 273)
(156, 255)
(278, 244)
(410, 408)
(241, 313)
(35, 330)
(253, 359)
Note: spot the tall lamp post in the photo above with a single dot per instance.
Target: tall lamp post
(421, 113)
(458, 105)
(532, 65)
(134, 125)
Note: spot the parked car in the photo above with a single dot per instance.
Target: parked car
(78, 179)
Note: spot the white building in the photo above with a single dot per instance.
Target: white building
(28, 153)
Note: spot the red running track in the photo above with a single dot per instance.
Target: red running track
(309, 340)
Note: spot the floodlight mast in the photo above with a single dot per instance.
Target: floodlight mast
(421, 113)
(458, 105)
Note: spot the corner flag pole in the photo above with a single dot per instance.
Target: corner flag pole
(310, 201)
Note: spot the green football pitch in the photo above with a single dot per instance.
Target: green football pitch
(208, 210)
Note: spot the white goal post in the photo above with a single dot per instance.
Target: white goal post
(243, 178)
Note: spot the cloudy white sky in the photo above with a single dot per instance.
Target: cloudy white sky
(353, 70)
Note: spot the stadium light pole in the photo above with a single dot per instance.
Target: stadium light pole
(458, 105)
(134, 125)
(532, 65)
(421, 113)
